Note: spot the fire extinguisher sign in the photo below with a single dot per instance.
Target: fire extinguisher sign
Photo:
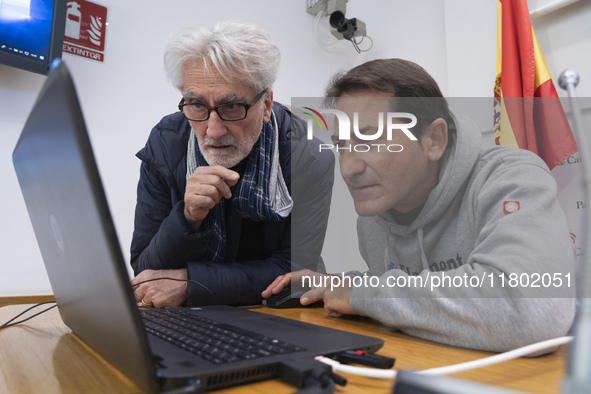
(86, 24)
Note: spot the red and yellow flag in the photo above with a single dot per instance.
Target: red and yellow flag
(528, 113)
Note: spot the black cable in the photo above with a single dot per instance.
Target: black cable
(9, 324)
(180, 280)
(28, 309)
(355, 45)
(328, 383)
(322, 384)
(309, 375)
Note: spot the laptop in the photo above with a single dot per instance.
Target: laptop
(68, 209)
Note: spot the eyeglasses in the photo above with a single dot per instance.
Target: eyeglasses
(231, 112)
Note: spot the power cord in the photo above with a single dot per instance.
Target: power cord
(321, 385)
(497, 358)
(10, 324)
(310, 376)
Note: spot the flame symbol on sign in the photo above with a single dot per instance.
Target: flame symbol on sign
(95, 30)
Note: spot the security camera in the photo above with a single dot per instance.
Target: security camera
(340, 26)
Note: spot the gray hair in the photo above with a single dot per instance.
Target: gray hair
(236, 50)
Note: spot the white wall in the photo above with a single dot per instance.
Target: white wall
(122, 98)
(126, 95)
(471, 32)
(565, 39)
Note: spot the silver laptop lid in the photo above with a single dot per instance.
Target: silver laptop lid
(66, 202)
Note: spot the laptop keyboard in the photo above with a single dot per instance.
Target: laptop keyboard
(216, 342)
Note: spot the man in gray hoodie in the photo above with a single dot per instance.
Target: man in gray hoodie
(465, 246)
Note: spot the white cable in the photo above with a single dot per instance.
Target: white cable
(322, 43)
(497, 358)
(356, 44)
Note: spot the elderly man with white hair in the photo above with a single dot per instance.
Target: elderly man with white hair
(223, 181)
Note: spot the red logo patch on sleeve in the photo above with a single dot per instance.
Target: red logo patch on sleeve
(510, 206)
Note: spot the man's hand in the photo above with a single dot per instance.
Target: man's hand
(294, 279)
(337, 302)
(205, 187)
(162, 292)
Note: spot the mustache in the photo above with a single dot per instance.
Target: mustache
(224, 140)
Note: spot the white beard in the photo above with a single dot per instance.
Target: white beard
(228, 157)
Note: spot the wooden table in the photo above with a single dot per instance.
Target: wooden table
(43, 356)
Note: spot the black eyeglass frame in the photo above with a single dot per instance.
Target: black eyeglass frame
(216, 108)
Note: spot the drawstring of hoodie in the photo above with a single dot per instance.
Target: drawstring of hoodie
(387, 258)
(387, 249)
(390, 243)
(423, 257)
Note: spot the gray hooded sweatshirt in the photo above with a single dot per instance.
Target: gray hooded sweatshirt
(487, 264)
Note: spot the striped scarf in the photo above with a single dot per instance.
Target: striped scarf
(261, 193)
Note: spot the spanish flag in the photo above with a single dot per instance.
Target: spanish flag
(528, 113)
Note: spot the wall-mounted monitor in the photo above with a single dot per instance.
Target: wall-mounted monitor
(31, 33)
